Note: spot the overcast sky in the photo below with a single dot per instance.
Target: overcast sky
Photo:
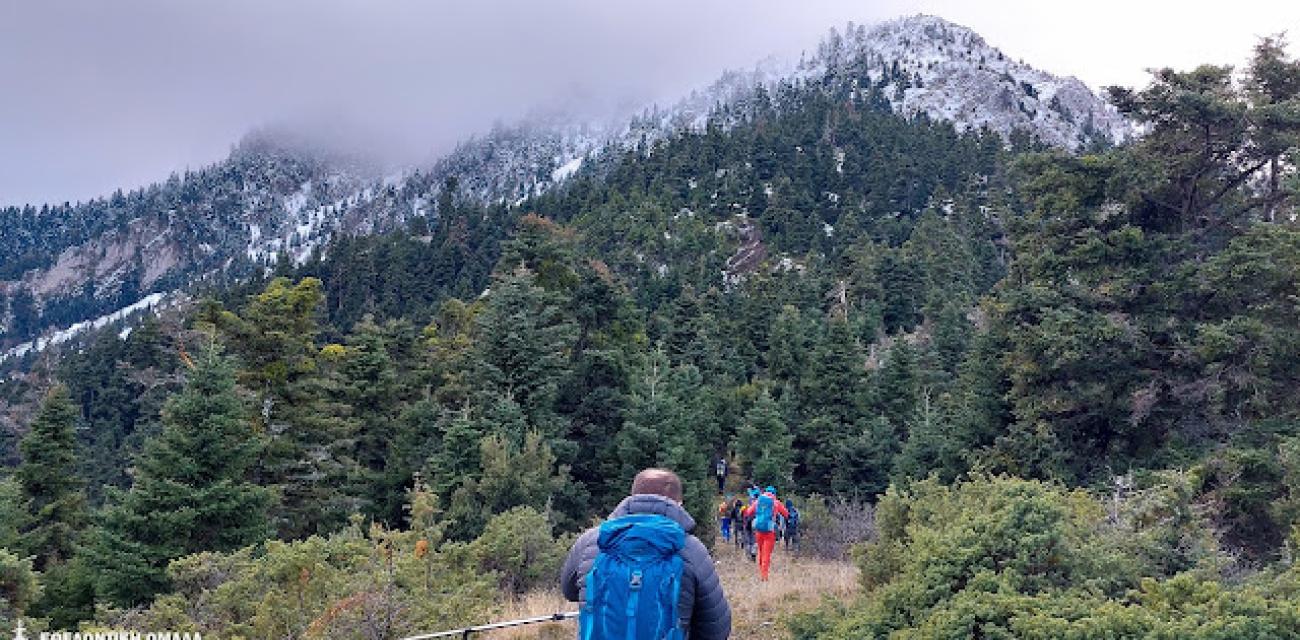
(98, 94)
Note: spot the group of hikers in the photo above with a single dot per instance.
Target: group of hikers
(756, 526)
(642, 575)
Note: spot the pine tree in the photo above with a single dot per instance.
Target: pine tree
(50, 488)
(311, 434)
(665, 410)
(944, 259)
(833, 385)
(951, 336)
(864, 460)
(544, 249)
(449, 342)
(522, 349)
(508, 475)
(309, 456)
(681, 447)
(19, 584)
(372, 387)
(899, 385)
(1272, 85)
(191, 490)
(451, 466)
(931, 445)
(595, 401)
(789, 346)
(903, 291)
(274, 334)
(833, 391)
(765, 445)
(651, 407)
(683, 325)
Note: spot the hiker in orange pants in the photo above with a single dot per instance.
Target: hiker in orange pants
(764, 511)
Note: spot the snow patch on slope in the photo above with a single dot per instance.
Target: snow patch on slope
(567, 169)
(59, 337)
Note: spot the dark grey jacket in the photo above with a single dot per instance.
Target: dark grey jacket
(703, 607)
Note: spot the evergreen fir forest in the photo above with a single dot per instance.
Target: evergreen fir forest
(1024, 391)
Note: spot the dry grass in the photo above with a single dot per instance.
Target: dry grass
(537, 603)
(758, 608)
(796, 585)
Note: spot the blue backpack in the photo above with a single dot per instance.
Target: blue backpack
(634, 585)
(763, 513)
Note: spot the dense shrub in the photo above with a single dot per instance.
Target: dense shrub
(1010, 558)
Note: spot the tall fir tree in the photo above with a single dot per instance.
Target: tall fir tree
(682, 446)
(191, 492)
(13, 514)
(373, 389)
(899, 384)
(790, 345)
(765, 444)
(51, 490)
(55, 515)
(509, 475)
(310, 433)
(522, 349)
(834, 392)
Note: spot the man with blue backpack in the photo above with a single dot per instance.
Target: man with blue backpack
(764, 510)
(641, 575)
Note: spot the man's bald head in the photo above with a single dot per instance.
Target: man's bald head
(660, 482)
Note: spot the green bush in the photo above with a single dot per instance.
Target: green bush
(374, 582)
(1001, 557)
(517, 547)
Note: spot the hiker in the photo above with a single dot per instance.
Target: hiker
(791, 526)
(738, 522)
(724, 514)
(764, 511)
(721, 471)
(747, 516)
(630, 567)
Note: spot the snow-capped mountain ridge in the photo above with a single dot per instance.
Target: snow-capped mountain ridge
(956, 76)
(932, 66)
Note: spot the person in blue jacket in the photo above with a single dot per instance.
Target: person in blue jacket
(702, 607)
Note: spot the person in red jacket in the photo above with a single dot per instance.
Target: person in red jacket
(764, 511)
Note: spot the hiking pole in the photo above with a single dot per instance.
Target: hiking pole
(465, 633)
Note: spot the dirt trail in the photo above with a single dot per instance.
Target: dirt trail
(758, 608)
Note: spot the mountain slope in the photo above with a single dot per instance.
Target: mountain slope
(276, 198)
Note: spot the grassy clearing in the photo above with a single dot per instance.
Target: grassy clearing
(758, 608)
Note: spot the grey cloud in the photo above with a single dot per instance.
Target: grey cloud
(98, 94)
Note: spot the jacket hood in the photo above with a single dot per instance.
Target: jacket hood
(649, 503)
